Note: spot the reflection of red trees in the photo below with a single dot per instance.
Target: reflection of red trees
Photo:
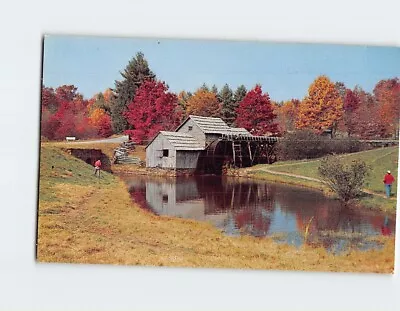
(259, 223)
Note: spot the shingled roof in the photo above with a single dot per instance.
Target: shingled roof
(182, 141)
(209, 125)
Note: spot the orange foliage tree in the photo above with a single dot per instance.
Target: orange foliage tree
(101, 120)
(322, 108)
(387, 95)
(286, 115)
(203, 103)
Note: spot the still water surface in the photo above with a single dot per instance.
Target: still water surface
(242, 206)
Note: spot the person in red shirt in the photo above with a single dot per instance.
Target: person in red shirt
(388, 181)
(97, 166)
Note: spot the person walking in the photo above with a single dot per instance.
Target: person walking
(388, 181)
(97, 166)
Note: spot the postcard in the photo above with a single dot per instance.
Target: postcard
(218, 154)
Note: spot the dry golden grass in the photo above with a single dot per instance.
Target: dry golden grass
(97, 222)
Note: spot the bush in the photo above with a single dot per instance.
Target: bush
(346, 180)
(300, 145)
(306, 144)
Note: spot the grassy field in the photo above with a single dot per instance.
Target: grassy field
(379, 160)
(83, 219)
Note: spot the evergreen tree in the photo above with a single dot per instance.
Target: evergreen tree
(136, 72)
(214, 89)
(204, 87)
(101, 103)
(342, 89)
(240, 93)
(228, 109)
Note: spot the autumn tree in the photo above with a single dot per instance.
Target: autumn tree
(100, 101)
(49, 100)
(183, 98)
(322, 108)
(255, 113)
(136, 72)
(153, 109)
(108, 95)
(203, 103)
(367, 126)
(67, 93)
(351, 104)
(64, 113)
(228, 105)
(101, 120)
(387, 95)
(286, 115)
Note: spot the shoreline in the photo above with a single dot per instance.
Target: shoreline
(249, 173)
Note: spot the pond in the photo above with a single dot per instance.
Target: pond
(259, 208)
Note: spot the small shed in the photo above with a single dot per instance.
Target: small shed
(173, 150)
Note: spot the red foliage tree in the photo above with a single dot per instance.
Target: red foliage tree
(367, 126)
(65, 113)
(351, 103)
(153, 109)
(256, 114)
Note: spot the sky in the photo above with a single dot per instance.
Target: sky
(285, 70)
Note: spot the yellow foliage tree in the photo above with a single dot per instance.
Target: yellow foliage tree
(322, 108)
(97, 116)
(287, 113)
(203, 103)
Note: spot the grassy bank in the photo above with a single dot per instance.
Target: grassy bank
(83, 219)
(379, 160)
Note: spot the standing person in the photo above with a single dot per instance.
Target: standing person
(97, 166)
(388, 181)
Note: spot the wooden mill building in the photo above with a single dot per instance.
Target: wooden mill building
(207, 144)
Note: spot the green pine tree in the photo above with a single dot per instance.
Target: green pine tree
(101, 103)
(228, 110)
(204, 87)
(214, 89)
(238, 96)
(135, 73)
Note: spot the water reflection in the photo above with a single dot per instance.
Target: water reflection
(241, 206)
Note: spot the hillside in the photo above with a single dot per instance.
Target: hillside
(379, 160)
